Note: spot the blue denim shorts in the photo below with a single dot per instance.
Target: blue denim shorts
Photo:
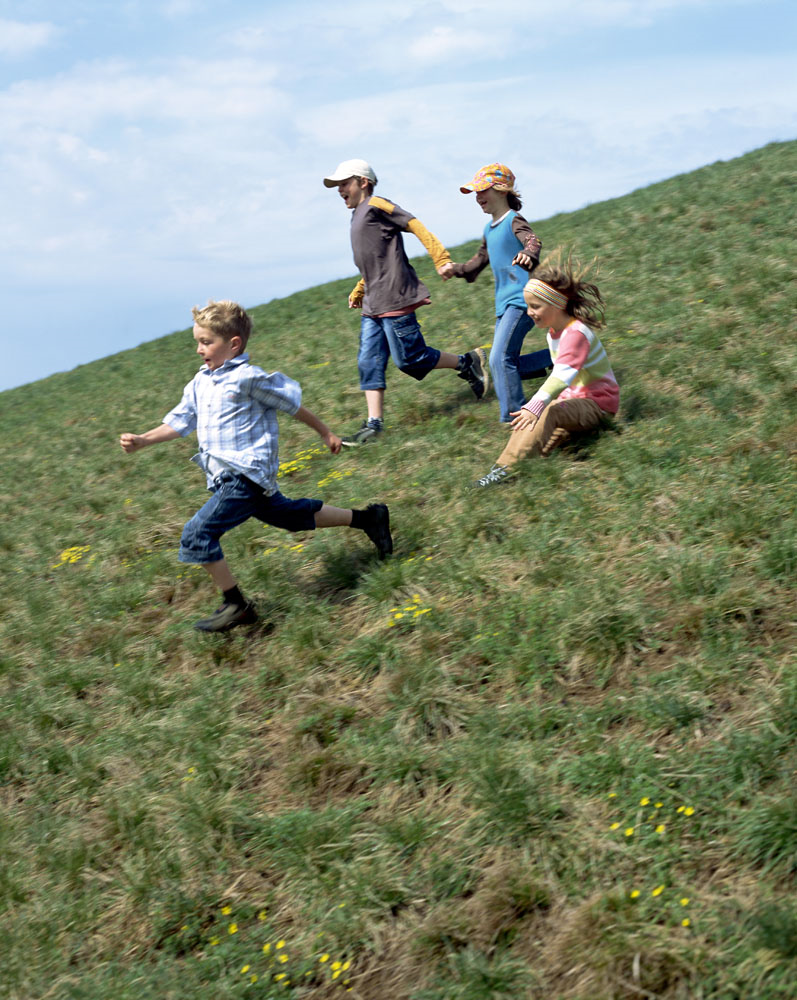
(396, 337)
(235, 499)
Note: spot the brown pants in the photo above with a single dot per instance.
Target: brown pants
(570, 414)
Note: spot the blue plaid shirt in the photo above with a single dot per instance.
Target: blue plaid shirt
(234, 412)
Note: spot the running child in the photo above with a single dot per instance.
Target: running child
(513, 251)
(233, 407)
(581, 393)
(389, 292)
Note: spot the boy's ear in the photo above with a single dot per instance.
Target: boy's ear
(237, 344)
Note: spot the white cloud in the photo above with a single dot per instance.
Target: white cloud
(443, 43)
(20, 38)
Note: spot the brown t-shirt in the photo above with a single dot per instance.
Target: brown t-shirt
(391, 283)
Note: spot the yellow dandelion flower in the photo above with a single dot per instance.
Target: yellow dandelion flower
(612, 795)
(253, 978)
(346, 965)
(615, 826)
(680, 809)
(213, 942)
(324, 958)
(283, 959)
(281, 944)
(634, 893)
(645, 801)
(232, 929)
(629, 831)
(684, 901)
(280, 975)
(398, 614)
(689, 811)
(266, 947)
(184, 927)
(335, 965)
(262, 915)
(226, 910)
(661, 828)
(245, 969)
(341, 905)
(657, 805)
(657, 891)
(336, 974)
(686, 922)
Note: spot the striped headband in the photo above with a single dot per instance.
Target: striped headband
(539, 290)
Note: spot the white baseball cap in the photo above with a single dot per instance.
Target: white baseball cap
(350, 168)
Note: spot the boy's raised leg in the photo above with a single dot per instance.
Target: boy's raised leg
(374, 521)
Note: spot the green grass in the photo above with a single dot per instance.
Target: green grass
(566, 771)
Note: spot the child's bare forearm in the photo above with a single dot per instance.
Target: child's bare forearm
(332, 441)
(135, 442)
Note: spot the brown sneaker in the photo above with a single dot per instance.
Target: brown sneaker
(227, 617)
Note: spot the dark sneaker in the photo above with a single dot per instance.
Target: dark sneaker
(227, 617)
(378, 528)
(367, 432)
(475, 370)
(498, 474)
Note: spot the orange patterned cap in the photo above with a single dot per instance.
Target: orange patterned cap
(496, 175)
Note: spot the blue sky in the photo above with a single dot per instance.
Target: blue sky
(155, 155)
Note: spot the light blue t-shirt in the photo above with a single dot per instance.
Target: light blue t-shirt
(502, 245)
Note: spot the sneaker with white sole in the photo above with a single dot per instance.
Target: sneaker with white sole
(227, 617)
(474, 369)
(498, 474)
(368, 431)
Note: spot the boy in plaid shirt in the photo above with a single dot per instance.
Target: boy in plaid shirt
(233, 407)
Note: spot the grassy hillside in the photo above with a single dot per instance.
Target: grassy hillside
(546, 751)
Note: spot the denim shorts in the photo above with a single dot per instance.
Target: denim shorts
(235, 499)
(396, 337)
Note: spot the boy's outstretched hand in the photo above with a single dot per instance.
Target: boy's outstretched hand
(132, 442)
(135, 442)
(522, 419)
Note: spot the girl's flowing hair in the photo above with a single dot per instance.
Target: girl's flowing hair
(568, 276)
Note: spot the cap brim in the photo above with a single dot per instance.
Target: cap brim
(331, 182)
(467, 189)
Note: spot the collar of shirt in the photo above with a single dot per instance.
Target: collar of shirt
(498, 222)
(228, 365)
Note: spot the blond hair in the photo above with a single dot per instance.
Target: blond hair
(567, 276)
(224, 318)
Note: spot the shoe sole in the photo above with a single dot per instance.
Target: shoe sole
(482, 355)
(206, 626)
(359, 444)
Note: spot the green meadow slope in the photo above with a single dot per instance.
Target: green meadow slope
(545, 751)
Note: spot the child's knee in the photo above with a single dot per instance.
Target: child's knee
(196, 543)
(416, 370)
